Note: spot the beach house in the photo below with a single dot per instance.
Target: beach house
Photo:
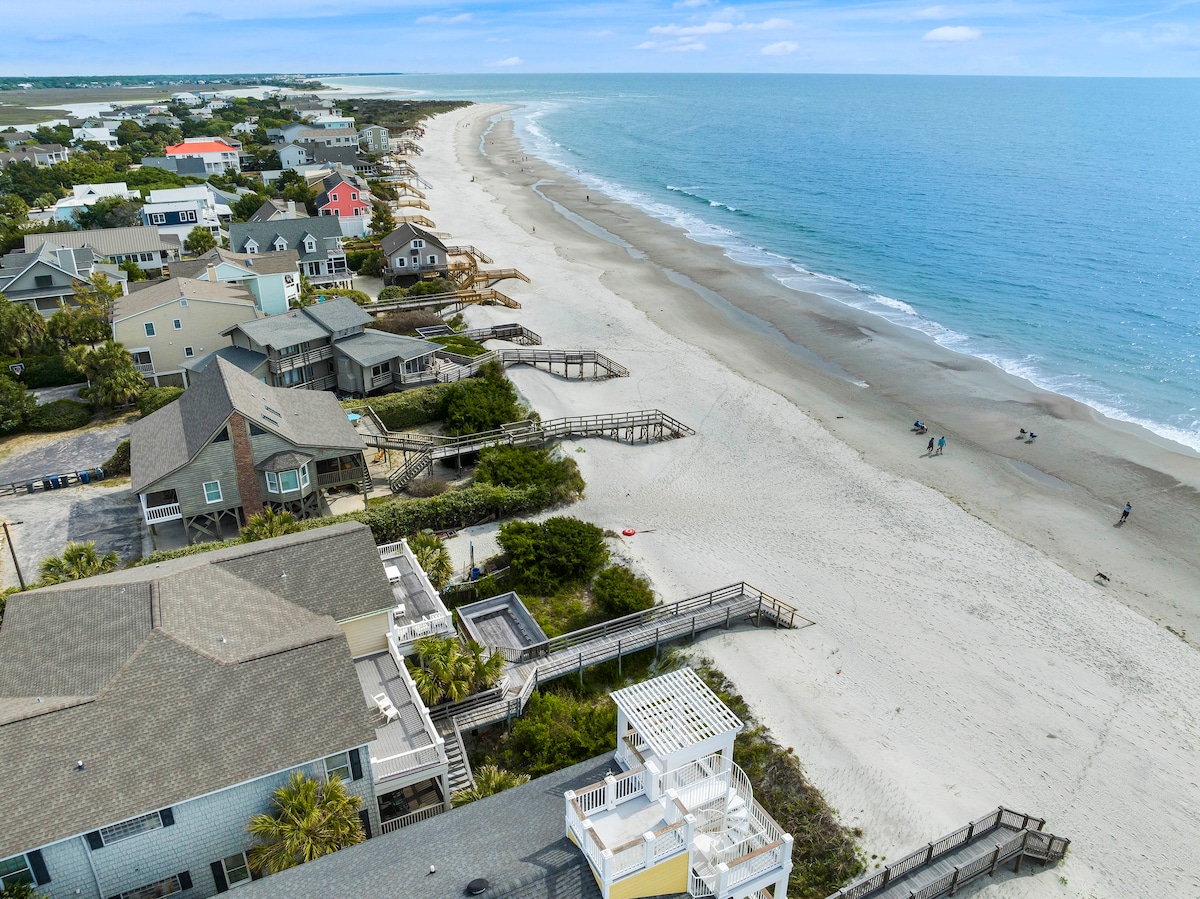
(412, 252)
(217, 153)
(231, 446)
(166, 323)
(84, 195)
(318, 241)
(45, 279)
(183, 693)
(273, 278)
(374, 138)
(145, 246)
(680, 815)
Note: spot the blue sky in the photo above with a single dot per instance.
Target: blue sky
(1002, 37)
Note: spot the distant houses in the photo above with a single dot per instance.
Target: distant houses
(151, 251)
(216, 153)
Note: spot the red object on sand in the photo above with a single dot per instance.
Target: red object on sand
(629, 532)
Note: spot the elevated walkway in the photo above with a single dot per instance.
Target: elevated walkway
(451, 301)
(943, 867)
(572, 653)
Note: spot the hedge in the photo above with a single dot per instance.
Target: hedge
(42, 371)
(60, 415)
(409, 408)
(154, 398)
(118, 462)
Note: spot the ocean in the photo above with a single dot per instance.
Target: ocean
(1048, 225)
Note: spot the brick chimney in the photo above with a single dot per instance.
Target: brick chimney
(243, 460)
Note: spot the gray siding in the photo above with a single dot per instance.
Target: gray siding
(206, 829)
(213, 463)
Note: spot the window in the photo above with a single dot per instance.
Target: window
(418, 244)
(310, 247)
(333, 197)
(189, 352)
(256, 431)
(432, 259)
(281, 244)
(212, 491)
(158, 218)
(177, 324)
(353, 195)
(272, 482)
(401, 262)
(183, 302)
(304, 476)
(289, 481)
(149, 326)
(145, 257)
(174, 884)
(381, 369)
(43, 280)
(16, 870)
(187, 215)
(222, 436)
(135, 826)
(237, 870)
(338, 764)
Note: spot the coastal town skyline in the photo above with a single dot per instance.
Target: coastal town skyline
(1071, 38)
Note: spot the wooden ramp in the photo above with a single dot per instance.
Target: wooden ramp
(451, 301)
(574, 652)
(943, 867)
(602, 366)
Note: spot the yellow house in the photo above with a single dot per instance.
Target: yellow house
(168, 323)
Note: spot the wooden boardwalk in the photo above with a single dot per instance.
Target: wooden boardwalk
(574, 652)
(941, 868)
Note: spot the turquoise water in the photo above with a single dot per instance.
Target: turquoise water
(1051, 226)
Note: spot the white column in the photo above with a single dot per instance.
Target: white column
(610, 792)
(648, 846)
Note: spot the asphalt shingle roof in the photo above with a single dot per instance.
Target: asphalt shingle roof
(515, 840)
(372, 347)
(281, 331)
(324, 229)
(171, 437)
(338, 314)
(205, 671)
(274, 263)
(181, 288)
(406, 233)
(246, 360)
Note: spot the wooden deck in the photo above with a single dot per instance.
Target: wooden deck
(943, 867)
(574, 652)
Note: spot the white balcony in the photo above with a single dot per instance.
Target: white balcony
(165, 507)
(419, 611)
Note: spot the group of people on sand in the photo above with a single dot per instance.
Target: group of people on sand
(921, 428)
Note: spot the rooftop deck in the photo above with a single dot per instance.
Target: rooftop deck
(408, 743)
(418, 611)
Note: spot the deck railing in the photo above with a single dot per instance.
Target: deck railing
(156, 514)
(407, 634)
(421, 814)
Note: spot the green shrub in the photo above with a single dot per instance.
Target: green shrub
(16, 406)
(42, 370)
(154, 398)
(619, 591)
(483, 403)
(356, 258)
(392, 292)
(406, 322)
(464, 346)
(558, 730)
(60, 415)
(329, 292)
(118, 462)
(525, 466)
(553, 554)
(409, 408)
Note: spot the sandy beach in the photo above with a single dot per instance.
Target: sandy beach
(964, 657)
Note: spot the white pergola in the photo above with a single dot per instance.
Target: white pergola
(678, 717)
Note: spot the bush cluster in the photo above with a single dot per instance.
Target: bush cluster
(60, 415)
(548, 556)
(464, 346)
(618, 591)
(483, 403)
(154, 398)
(358, 296)
(526, 466)
(558, 730)
(456, 509)
(409, 408)
(405, 322)
(118, 462)
(42, 371)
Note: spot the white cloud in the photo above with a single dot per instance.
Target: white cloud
(932, 12)
(445, 20)
(706, 28)
(952, 34)
(646, 45)
(780, 48)
(768, 25)
(504, 63)
(686, 47)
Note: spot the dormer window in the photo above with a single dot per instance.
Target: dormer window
(418, 244)
(310, 246)
(251, 248)
(280, 244)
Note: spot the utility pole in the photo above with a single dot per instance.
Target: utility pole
(12, 549)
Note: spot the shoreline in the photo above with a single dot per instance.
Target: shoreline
(1084, 463)
(953, 667)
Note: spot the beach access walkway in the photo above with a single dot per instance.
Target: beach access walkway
(420, 451)
(943, 867)
(531, 666)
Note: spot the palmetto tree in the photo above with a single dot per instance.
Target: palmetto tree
(445, 672)
(433, 557)
(269, 523)
(79, 560)
(486, 667)
(489, 780)
(20, 327)
(309, 819)
(112, 379)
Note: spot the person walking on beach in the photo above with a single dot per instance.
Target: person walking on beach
(1125, 513)
(941, 444)
(930, 446)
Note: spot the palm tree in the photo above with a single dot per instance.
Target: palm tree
(20, 327)
(269, 523)
(433, 557)
(442, 672)
(489, 780)
(112, 379)
(486, 667)
(310, 819)
(79, 560)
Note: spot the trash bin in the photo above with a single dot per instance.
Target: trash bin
(475, 574)
(29, 486)
(99, 473)
(46, 485)
(84, 477)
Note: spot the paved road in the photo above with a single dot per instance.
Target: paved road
(72, 451)
(48, 521)
(50, 394)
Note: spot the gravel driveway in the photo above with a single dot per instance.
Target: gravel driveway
(71, 451)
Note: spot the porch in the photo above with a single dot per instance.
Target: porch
(160, 507)
(348, 469)
(407, 747)
(419, 611)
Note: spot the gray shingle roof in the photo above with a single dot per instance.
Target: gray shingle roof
(181, 288)
(404, 234)
(133, 677)
(338, 314)
(372, 347)
(325, 229)
(515, 840)
(246, 360)
(274, 263)
(171, 437)
(281, 331)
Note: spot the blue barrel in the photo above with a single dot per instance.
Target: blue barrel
(84, 477)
